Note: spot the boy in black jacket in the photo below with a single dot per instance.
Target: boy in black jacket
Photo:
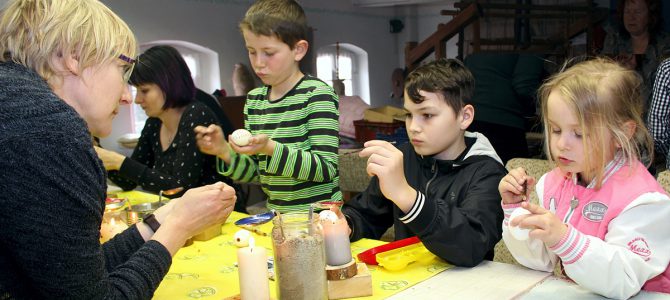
(443, 187)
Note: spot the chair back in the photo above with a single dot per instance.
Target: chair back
(534, 168)
(664, 179)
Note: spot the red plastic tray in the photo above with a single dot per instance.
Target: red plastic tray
(370, 256)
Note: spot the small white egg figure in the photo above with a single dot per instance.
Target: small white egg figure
(516, 231)
(241, 137)
(241, 238)
(328, 215)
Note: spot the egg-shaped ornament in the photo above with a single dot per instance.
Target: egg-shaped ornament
(241, 238)
(516, 231)
(241, 137)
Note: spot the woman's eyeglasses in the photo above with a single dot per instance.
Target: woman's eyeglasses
(127, 69)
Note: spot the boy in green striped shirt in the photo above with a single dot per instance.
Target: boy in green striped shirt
(293, 117)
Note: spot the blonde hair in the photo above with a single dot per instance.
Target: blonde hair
(33, 31)
(604, 96)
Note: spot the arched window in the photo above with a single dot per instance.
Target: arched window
(351, 65)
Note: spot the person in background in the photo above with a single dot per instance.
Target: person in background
(293, 118)
(243, 80)
(166, 155)
(64, 67)
(211, 101)
(638, 41)
(658, 119)
(504, 98)
(601, 215)
(441, 187)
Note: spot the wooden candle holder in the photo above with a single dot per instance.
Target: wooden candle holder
(342, 272)
(359, 285)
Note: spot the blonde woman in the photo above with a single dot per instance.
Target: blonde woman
(63, 74)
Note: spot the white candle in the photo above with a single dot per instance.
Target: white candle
(252, 262)
(336, 238)
(109, 230)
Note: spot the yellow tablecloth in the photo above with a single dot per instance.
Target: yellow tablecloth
(207, 269)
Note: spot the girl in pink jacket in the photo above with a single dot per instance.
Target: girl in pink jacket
(601, 214)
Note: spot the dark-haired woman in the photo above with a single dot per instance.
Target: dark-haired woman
(166, 155)
(638, 41)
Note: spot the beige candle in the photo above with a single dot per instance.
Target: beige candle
(253, 272)
(336, 237)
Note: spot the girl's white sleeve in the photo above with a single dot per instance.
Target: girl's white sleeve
(636, 248)
(531, 253)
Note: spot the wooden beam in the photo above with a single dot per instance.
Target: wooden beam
(409, 47)
(571, 7)
(476, 36)
(531, 15)
(449, 12)
(512, 42)
(443, 34)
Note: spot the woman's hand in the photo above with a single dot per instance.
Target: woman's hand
(210, 141)
(516, 186)
(198, 209)
(110, 159)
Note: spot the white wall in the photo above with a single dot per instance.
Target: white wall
(213, 24)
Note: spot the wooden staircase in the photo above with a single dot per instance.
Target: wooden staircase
(468, 17)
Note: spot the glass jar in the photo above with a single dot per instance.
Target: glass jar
(299, 257)
(114, 219)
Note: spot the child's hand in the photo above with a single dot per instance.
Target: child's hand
(386, 162)
(257, 144)
(210, 140)
(544, 225)
(516, 186)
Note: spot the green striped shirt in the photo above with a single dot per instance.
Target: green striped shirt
(303, 166)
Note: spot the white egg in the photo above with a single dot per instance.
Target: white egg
(516, 231)
(241, 137)
(328, 215)
(241, 238)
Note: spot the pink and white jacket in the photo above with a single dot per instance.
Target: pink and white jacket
(618, 238)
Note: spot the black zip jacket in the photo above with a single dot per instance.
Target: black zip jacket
(457, 213)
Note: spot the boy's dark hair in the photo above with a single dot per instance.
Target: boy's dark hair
(284, 19)
(165, 67)
(448, 77)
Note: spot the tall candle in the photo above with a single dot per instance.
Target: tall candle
(252, 262)
(109, 229)
(336, 238)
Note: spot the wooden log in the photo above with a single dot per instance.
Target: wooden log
(342, 272)
(357, 286)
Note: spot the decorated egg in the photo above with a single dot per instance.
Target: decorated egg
(241, 238)
(241, 137)
(516, 231)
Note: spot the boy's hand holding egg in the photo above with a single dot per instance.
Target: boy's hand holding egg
(241, 137)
